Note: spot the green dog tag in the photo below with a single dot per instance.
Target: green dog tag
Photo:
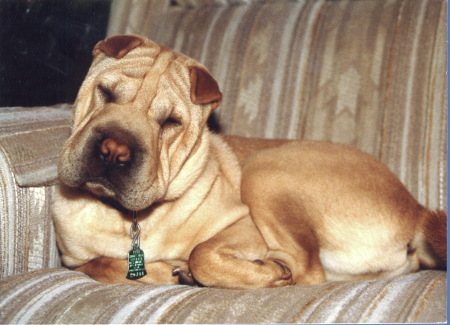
(136, 263)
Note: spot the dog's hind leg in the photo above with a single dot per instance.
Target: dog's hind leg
(284, 220)
(236, 258)
(289, 238)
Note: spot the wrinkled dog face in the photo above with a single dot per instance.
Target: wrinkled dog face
(138, 118)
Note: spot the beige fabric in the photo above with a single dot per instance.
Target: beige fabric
(201, 3)
(204, 3)
(27, 237)
(130, 16)
(58, 296)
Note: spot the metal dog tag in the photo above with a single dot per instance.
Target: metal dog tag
(136, 263)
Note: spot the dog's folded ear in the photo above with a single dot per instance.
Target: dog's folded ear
(204, 88)
(117, 46)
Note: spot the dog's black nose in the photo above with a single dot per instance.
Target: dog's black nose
(115, 152)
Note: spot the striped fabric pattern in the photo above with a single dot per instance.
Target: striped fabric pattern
(202, 3)
(205, 3)
(30, 141)
(59, 296)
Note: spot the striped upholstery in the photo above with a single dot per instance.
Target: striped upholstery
(30, 141)
(367, 73)
(59, 296)
(201, 3)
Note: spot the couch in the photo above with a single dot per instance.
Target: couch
(371, 74)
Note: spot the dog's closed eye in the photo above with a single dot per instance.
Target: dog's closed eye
(106, 93)
(171, 121)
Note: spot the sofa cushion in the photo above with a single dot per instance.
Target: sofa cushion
(62, 296)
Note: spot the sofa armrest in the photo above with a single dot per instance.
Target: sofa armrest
(30, 140)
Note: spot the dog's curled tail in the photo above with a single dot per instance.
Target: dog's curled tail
(431, 240)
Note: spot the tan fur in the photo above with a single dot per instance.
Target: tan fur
(302, 212)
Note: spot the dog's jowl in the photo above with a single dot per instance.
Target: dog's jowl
(220, 211)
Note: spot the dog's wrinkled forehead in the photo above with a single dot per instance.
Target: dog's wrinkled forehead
(122, 66)
(129, 69)
(126, 63)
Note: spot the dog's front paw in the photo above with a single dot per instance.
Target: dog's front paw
(185, 276)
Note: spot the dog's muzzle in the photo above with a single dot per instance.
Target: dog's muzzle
(108, 166)
(108, 162)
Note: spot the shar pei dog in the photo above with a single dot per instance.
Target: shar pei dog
(148, 194)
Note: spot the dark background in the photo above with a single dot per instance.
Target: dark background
(45, 48)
